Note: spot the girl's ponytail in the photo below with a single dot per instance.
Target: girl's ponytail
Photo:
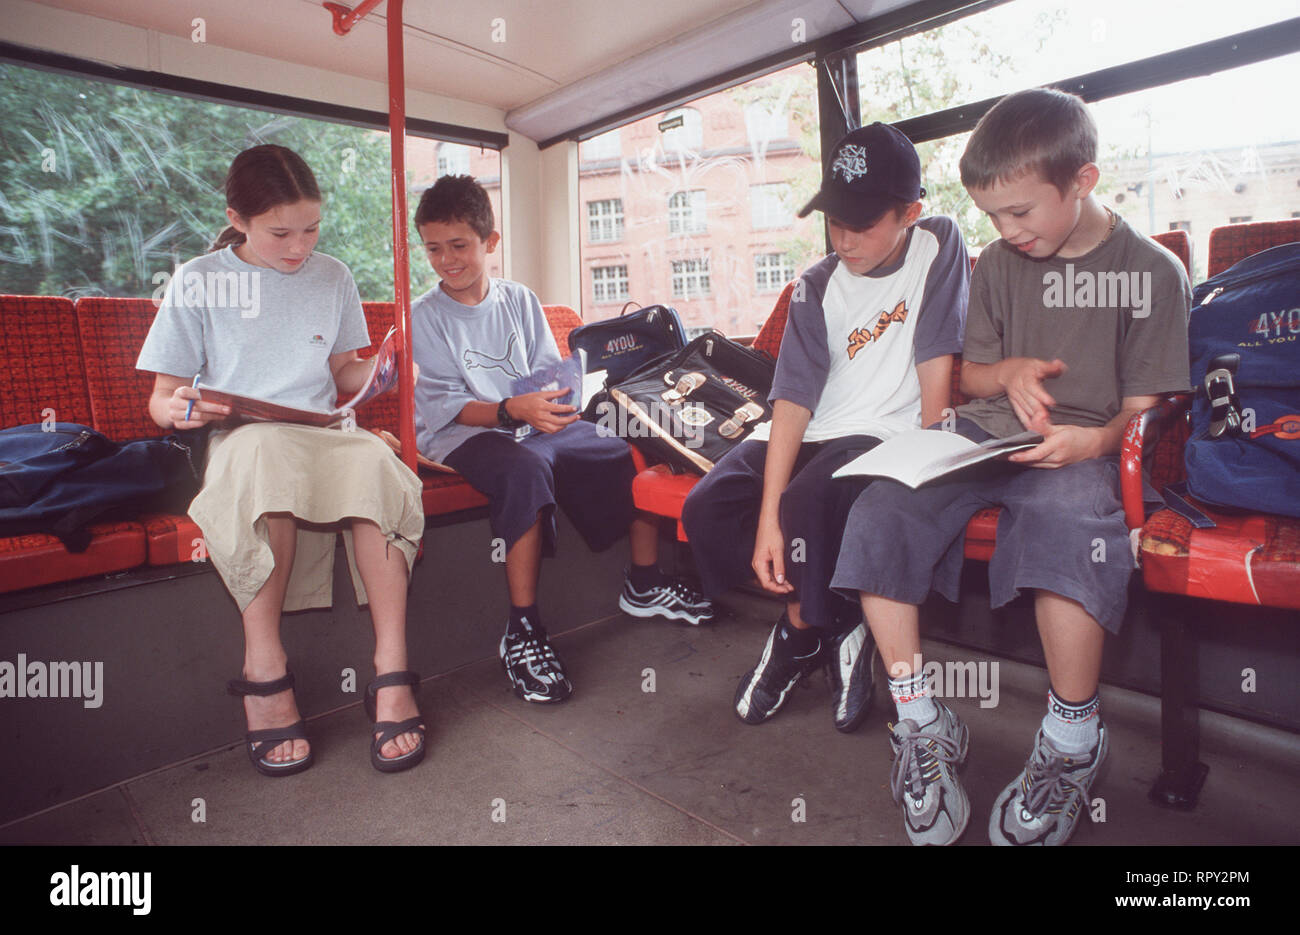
(226, 238)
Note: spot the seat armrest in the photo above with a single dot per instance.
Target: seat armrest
(1142, 431)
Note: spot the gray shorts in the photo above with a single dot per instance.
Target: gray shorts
(1061, 530)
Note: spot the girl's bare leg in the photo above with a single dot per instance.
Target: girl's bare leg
(264, 656)
(383, 571)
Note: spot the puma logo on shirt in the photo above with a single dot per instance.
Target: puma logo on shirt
(487, 362)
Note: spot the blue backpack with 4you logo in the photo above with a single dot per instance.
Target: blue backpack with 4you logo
(1244, 449)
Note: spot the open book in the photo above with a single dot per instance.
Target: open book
(382, 378)
(922, 455)
(569, 374)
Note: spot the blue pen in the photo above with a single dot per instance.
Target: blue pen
(189, 410)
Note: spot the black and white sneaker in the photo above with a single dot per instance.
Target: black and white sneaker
(672, 600)
(763, 688)
(851, 679)
(533, 667)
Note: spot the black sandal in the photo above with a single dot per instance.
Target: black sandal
(272, 737)
(391, 729)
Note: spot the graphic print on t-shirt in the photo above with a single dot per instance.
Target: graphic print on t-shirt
(861, 337)
(486, 361)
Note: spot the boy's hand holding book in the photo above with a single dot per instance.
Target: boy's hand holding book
(538, 410)
(1062, 445)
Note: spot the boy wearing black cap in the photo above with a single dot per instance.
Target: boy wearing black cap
(867, 353)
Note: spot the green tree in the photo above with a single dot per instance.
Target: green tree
(102, 186)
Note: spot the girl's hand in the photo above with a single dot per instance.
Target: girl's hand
(538, 410)
(769, 559)
(202, 413)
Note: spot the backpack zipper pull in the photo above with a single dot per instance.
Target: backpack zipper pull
(1213, 294)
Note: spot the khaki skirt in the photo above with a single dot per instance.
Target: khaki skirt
(322, 477)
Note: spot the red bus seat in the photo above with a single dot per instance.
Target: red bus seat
(1245, 559)
(44, 376)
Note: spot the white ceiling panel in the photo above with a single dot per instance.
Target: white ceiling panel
(551, 66)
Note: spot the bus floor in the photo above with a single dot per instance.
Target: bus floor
(649, 751)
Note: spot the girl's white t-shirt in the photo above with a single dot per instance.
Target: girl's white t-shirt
(255, 331)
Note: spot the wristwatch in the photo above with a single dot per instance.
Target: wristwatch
(503, 417)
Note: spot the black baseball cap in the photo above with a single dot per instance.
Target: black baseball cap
(870, 170)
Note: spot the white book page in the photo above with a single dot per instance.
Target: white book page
(921, 455)
(906, 456)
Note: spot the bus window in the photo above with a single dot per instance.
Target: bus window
(121, 184)
(1165, 164)
(695, 207)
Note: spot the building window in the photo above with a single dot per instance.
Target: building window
(765, 123)
(602, 148)
(772, 271)
(1239, 219)
(605, 220)
(609, 283)
(453, 159)
(690, 279)
(769, 206)
(687, 213)
(689, 137)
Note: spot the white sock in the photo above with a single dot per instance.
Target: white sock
(1072, 728)
(912, 698)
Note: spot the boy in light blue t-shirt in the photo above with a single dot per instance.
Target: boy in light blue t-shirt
(474, 337)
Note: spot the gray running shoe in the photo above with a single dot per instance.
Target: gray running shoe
(1044, 803)
(924, 777)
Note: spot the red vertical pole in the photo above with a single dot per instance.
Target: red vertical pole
(401, 261)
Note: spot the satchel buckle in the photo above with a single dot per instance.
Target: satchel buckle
(1225, 407)
(736, 424)
(686, 384)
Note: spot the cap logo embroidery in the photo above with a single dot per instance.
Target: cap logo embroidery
(851, 162)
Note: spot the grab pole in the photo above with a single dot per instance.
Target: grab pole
(344, 20)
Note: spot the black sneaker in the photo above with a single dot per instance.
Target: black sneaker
(763, 689)
(851, 680)
(671, 599)
(533, 667)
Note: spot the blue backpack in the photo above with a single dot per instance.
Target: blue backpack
(61, 477)
(1244, 448)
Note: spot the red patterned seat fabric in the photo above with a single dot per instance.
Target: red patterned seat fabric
(1245, 559)
(1177, 243)
(112, 332)
(562, 320)
(42, 370)
(1234, 242)
(34, 560)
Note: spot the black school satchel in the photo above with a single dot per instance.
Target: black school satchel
(690, 408)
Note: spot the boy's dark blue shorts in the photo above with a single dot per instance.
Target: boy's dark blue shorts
(720, 517)
(586, 475)
(1060, 530)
